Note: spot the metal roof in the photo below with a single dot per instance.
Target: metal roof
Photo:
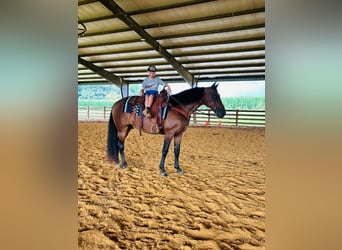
(188, 41)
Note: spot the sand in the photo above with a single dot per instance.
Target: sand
(219, 203)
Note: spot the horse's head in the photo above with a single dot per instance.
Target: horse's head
(213, 100)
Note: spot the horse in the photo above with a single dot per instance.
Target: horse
(179, 109)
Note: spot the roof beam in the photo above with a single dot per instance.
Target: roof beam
(99, 44)
(212, 32)
(84, 2)
(100, 71)
(116, 9)
(179, 54)
(133, 70)
(207, 18)
(196, 33)
(168, 7)
(225, 41)
(192, 60)
(143, 64)
(207, 72)
(179, 22)
(191, 20)
(148, 10)
(140, 57)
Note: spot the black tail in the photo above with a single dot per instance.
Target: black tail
(112, 141)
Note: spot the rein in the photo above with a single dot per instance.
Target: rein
(180, 110)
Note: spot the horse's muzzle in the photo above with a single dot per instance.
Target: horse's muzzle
(220, 113)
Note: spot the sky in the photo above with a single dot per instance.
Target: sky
(229, 89)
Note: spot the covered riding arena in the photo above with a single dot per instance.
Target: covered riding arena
(219, 202)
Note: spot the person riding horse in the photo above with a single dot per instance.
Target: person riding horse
(150, 89)
(174, 123)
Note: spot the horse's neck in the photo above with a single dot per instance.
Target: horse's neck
(191, 107)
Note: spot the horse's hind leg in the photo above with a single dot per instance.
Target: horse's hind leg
(121, 145)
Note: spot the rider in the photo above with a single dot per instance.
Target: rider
(150, 88)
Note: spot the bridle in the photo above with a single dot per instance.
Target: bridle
(214, 100)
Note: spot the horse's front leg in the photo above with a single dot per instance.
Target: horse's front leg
(164, 153)
(177, 143)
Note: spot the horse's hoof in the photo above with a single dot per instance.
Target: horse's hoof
(123, 167)
(180, 171)
(164, 174)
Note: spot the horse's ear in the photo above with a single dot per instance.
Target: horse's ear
(214, 86)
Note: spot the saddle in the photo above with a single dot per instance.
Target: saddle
(135, 104)
(161, 101)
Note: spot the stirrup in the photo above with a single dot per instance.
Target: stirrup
(147, 113)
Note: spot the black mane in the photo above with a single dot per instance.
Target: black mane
(187, 96)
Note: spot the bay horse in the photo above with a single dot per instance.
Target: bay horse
(179, 109)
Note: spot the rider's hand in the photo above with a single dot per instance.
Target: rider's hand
(168, 89)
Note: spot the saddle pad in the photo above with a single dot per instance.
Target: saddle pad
(164, 112)
(130, 107)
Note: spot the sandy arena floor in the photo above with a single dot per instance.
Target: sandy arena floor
(219, 203)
